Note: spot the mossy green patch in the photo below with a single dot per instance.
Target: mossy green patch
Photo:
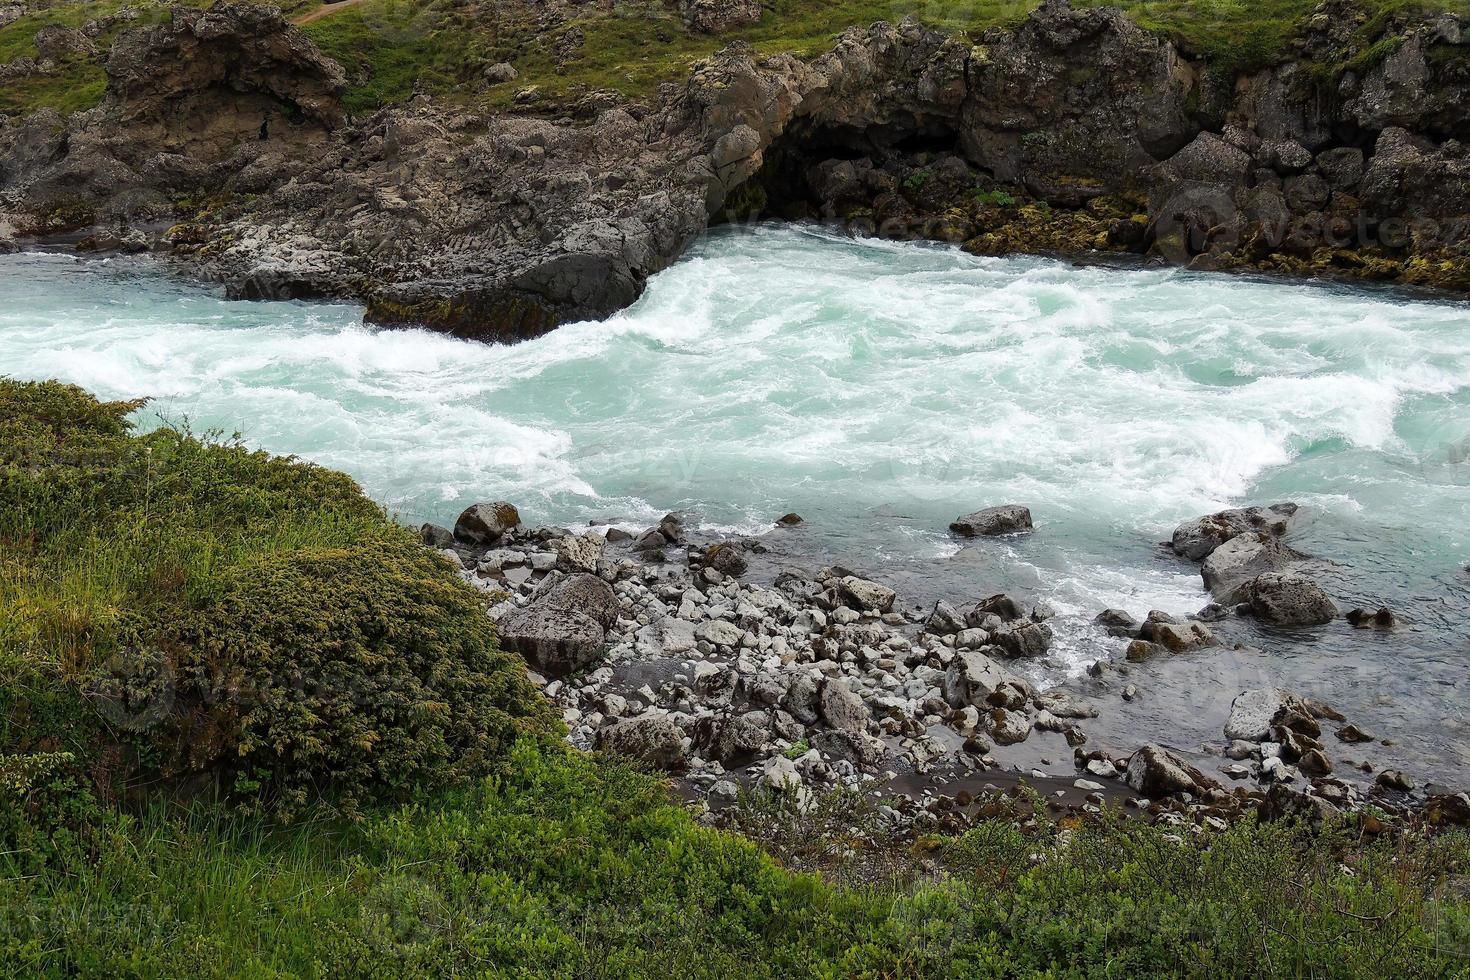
(183, 610)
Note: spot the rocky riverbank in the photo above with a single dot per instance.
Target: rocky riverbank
(222, 141)
(703, 659)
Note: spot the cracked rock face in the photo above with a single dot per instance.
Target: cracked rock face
(501, 226)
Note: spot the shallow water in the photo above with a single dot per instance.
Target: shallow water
(880, 390)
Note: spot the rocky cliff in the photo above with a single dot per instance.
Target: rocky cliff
(1076, 131)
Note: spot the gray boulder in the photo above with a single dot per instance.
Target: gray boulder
(1289, 600)
(579, 553)
(1198, 538)
(1154, 771)
(975, 679)
(1209, 159)
(842, 708)
(1253, 713)
(1008, 727)
(1233, 565)
(1342, 167)
(865, 596)
(944, 620)
(585, 594)
(556, 641)
(485, 523)
(1022, 639)
(1006, 519)
(655, 740)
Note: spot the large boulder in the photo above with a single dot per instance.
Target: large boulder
(1233, 565)
(1022, 639)
(1196, 539)
(653, 739)
(1006, 519)
(1253, 713)
(1155, 771)
(484, 524)
(975, 679)
(719, 16)
(564, 629)
(556, 641)
(1209, 159)
(585, 594)
(1289, 600)
(864, 596)
(842, 708)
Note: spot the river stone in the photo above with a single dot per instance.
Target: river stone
(1008, 727)
(557, 641)
(1230, 567)
(731, 737)
(1178, 637)
(1117, 622)
(435, 536)
(667, 636)
(485, 523)
(1196, 539)
(1001, 606)
(1252, 713)
(803, 699)
(585, 594)
(726, 559)
(1289, 600)
(720, 633)
(1006, 519)
(1155, 771)
(971, 679)
(944, 620)
(1022, 639)
(780, 774)
(578, 553)
(863, 595)
(842, 708)
(656, 740)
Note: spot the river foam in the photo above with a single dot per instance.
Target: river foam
(878, 388)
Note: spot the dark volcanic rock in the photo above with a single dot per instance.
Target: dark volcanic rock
(1006, 519)
(485, 523)
(1289, 600)
(1198, 538)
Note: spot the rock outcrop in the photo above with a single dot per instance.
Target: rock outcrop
(500, 225)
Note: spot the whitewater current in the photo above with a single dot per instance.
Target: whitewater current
(879, 390)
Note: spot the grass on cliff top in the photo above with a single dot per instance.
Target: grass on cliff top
(393, 48)
(389, 45)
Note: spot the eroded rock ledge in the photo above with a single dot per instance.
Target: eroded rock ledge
(1077, 131)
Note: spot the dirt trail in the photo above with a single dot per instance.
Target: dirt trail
(326, 10)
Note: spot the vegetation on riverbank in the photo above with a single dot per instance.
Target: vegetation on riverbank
(431, 823)
(393, 48)
(185, 614)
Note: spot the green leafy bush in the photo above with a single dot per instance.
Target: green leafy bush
(184, 609)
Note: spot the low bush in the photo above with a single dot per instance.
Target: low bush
(185, 611)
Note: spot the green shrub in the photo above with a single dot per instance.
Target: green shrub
(184, 609)
(366, 667)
